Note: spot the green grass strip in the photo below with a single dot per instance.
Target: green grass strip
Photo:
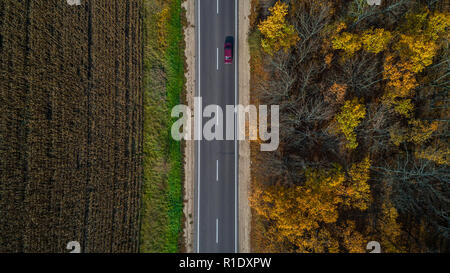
(162, 200)
(175, 83)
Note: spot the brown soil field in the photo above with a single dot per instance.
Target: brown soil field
(71, 133)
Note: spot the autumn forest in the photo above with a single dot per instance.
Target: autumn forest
(364, 142)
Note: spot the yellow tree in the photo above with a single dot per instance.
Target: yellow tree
(384, 224)
(297, 212)
(432, 25)
(418, 132)
(352, 240)
(390, 229)
(306, 216)
(348, 42)
(358, 189)
(401, 81)
(277, 33)
(438, 153)
(404, 107)
(417, 50)
(372, 40)
(421, 131)
(438, 24)
(417, 45)
(375, 41)
(349, 118)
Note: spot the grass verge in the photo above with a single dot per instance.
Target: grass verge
(162, 201)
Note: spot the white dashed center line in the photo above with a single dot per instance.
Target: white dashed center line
(217, 170)
(217, 230)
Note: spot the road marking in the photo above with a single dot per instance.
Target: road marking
(199, 94)
(217, 117)
(235, 133)
(217, 58)
(236, 128)
(217, 6)
(217, 230)
(217, 170)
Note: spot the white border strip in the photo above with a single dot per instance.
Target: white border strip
(236, 243)
(199, 126)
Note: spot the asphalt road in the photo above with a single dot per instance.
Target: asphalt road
(216, 173)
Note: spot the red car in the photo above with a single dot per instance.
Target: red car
(228, 53)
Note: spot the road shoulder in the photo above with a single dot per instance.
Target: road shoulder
(189, 147)
(244, 146)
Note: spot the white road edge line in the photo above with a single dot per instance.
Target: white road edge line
(217, 230)
(236, 128)
(217, 58)
(217, 6)
(199, 142)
